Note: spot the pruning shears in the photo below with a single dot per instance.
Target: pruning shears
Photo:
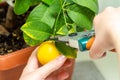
(80, 40)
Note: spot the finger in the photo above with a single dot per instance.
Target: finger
(97, 50)
(32, 63)
(50, 67)
(63, 75)
(68, 63)
(63, 72)
(33, 55)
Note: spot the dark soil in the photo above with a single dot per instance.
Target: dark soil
(14, 41)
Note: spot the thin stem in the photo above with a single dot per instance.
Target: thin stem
(68, 4)
(64, 12)
(54, 29)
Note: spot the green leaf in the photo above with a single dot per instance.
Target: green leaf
(72, 29)
(63, 30)
(37, 13)
(37, 31)
(80, 19)
(69, 1)
(83, 10)
(46, 14)
(30, 41)
(68, 51)
(91, 4)
(49, 2)
(34, 2)
(21, 6)
(79, 29)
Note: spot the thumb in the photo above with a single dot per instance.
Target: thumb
(50, 67)
(97, 49)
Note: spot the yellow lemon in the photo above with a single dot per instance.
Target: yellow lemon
(47, 51)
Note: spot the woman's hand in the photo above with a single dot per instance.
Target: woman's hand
(107, 32)
(54, 70)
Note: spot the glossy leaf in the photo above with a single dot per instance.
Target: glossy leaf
(21, 6)
(37, 13)
(30, 41)
(62, 31)
(49, 2)
(37, 31)
(80, 19)
(72, 29)
(91, 4)
(83, 10)
(68, 51)
(45, 14)
(34, 2)
(69, 1)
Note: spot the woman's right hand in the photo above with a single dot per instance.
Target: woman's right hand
(107, 32)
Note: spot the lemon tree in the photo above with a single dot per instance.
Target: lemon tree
(56, 17)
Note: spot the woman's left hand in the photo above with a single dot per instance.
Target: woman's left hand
(58, 69)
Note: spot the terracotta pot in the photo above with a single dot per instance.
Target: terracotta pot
(12, 64)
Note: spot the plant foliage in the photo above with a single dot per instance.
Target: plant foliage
(55, 17)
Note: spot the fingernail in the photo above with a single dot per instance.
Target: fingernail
(61, 57)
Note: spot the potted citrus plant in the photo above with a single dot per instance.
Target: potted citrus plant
(51, 18)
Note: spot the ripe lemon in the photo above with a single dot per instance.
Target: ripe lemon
(47, 51)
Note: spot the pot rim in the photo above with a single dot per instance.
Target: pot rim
(16, 58)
